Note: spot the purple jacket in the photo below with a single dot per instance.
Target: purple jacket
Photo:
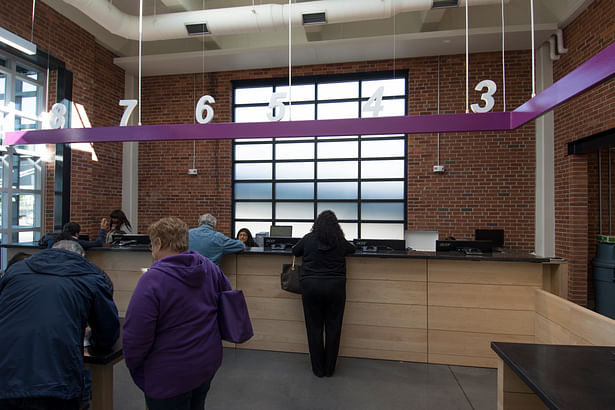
(171, 339)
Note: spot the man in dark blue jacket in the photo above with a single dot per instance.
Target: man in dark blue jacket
(46, 302)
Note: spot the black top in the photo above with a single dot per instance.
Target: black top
(320, 259)
(564, 377)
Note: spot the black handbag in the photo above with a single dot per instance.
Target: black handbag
(289, 277)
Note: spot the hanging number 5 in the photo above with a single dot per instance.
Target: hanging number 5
(276, 107)
(56, 119)
(201, 106)
(487, 96)
(130, 106)
(374, 103)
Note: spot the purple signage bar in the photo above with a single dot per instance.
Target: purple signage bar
(596, 70)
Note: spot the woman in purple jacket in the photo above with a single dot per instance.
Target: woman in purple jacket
(171, 340)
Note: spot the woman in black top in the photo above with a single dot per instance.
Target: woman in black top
(245, 236)
(323, 283)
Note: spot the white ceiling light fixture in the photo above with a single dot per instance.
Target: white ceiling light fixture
(17, 42)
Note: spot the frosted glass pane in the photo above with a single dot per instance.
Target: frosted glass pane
(251, 114)
(253, 95)
(391, 87)
(382, 190)
(335, 91)
(382, 231)
(337, 190)
(383, 136)
(338, 170)
(300, 229)
(250, 140)
(299, 92)
(294, 210)
(343, 210)
(341, 149)
(382, 169)
(253, 171)
(382, 211)
(390, 108)
(300, 112)
(253, 210)
(331, 111)
(250, 152)
(298, 150)
(294, 170)
(252, 191)
(298, 190)
(351, 230)
(254, 227)
(339, 137)
(385, 148)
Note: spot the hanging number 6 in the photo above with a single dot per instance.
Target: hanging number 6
(374, 104)
(276, 107)
(202, 106)
(487, 96)
(57, 120)
(130, 106)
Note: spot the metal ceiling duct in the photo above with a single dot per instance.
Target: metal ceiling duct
(247, 19)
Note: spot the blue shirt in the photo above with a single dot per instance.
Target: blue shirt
(212, 244)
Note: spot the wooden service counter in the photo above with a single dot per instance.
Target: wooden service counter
(409, 306)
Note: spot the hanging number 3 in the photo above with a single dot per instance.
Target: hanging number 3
(57, 113)
(374, 103)
(201, 106)
(487, 96)
(276, 108)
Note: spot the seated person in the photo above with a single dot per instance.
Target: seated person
(118, 224)
(245, 236)
(209, 243)
(70, 231)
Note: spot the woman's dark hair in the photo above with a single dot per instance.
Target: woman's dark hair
(250, 242)
(122, 220)
(69, 231)
(327, 229)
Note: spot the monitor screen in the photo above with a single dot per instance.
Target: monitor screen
(421, 240)
(130, 239)
(281, 230)
(496, 236)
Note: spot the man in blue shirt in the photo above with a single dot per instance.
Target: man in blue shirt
(209, 243)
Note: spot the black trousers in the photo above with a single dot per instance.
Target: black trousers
(323, 309)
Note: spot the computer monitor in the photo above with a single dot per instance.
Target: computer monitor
(285, 231)
(496, 236)
(421, 240)
(130, 239)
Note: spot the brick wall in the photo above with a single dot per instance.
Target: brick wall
(489, 182)
(576, 177)
(98, 85)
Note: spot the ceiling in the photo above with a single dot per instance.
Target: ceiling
(354, 34)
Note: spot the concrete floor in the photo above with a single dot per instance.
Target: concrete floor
(254, 379)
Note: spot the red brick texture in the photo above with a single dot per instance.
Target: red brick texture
(576, 177)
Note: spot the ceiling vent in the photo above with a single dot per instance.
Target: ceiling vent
(442, 4)
(310, 19)
(196, 29)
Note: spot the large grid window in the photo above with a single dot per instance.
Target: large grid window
(289, 181)
(21, 100)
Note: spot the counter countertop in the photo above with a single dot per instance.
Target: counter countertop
(564, 377)
(505, 256)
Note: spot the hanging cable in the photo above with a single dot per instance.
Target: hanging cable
(503, 63)
(438, 107)
(533, 52)
(140, 54)
(32, 29)
(290, 49)
(467, 64)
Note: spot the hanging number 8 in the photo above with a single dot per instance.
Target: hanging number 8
(487, 97)
(202, 106)
(57, 113)
(276, 107)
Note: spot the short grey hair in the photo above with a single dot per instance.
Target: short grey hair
(207, 219)
(69, 245)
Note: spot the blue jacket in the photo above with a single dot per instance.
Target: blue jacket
(171, 338)
(212, 244)
(99, 242)
(46, 301)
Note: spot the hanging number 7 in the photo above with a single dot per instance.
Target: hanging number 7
(487, 96)
(130, 106)
(374, 103)
(276, 108)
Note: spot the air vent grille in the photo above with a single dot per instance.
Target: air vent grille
(441, 4)
(197, 29)
(314, 18)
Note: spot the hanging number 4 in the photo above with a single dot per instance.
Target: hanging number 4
(374, 103)
(487, 96)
